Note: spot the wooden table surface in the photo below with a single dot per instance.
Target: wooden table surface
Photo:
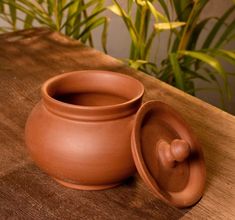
(30, 57)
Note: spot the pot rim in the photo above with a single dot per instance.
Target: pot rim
(82, 111)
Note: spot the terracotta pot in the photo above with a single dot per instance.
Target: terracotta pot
(80, 132)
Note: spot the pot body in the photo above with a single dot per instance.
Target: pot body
(84, 142)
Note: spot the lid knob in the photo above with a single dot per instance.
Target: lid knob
(170, 154)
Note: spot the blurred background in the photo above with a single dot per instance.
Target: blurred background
(118, 43)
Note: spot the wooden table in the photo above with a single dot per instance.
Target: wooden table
(30, 57)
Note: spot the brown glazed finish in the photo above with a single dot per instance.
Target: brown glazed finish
(80, 132)
(167, 155)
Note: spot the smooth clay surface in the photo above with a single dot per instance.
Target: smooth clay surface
(80, 132)
(167, 155)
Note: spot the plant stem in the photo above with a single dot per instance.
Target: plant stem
(187, 30)
(90, 40)
(142, 33)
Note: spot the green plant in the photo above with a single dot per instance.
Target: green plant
(186, 58)
(75, 18)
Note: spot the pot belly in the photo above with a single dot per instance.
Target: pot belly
(79, 154)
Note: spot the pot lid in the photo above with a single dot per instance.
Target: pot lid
(167, 155)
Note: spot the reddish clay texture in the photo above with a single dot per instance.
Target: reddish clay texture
(80, 132)
(167, 155)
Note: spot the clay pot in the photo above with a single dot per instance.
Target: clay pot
(80, 132)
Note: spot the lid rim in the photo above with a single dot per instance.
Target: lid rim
(180, 198)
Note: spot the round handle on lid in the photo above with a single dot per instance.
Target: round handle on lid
(170, 154)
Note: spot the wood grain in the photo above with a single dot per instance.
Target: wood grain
(27, 59)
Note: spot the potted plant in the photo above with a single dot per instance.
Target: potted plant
(189, 56)
(70, 17)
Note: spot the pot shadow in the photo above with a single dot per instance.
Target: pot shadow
(138, 198)
(29, 185)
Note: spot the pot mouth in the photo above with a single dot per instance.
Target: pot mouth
(92, 94)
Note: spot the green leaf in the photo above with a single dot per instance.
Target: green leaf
(136, 64)
(12, 10)
(50, 6)
(191, 21)
(211, 74)
(157, 15)
(149, 43)
(75, 12)
(129, 5)
(165, 8)
(168, 25)
(88, 20)
(13, 4)
(230, 38)
(230, 54)
(183, 8)
(177, 7)
(216, 28)
(199, 28)
(28, 21)
(190, 74)
(211, 61)
(59, 12)
(115, 9)
(1, 7)
(72, 7)
(228, 31)
(141, 3)
(177, 71)
(31, 9)
(226, 54)
(127, 20)
(104, 35)
(68, 5)
(85, 33)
